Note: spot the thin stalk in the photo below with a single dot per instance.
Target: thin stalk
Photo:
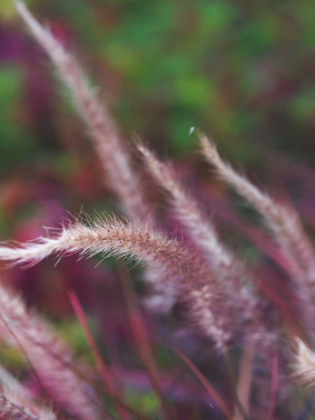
(207, 385)
(105, 373)
(142, 340)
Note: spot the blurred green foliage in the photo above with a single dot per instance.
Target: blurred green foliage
(146, 402)
(72, 332)
(242, 71)
(15, 143)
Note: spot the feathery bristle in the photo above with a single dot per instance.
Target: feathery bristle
(304, 364)
(17, 402)
(9, 382)
(15, 407)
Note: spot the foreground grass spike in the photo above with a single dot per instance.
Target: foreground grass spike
(16, 401)
(110, 148)
(48, 355)
(15, 407)
(210, 307)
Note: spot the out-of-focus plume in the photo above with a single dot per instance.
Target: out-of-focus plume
(16, 402)
(304, 364)
(283, 221)
(15, 406)
(110, 148)
(9, 382)
(284, 225)
(48, 355)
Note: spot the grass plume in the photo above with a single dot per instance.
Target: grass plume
(187, 270)
(14, 407)
(110, 149)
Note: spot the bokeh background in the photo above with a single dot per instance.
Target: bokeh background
(242, 71)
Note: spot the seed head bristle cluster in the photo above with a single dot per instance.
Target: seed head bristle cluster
(199, 270)
(304, 364)
(182, 268)
(16, 401)
(15, 407)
